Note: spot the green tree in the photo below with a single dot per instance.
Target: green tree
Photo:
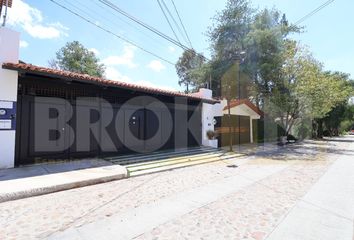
(227, 37)
(322, 92)
(74, 57)
(186, 66)
(343, 113)
(284, 102)
(265, 45)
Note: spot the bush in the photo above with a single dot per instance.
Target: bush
(345, 126)
(211, 134)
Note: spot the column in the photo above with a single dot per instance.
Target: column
(9, 52)
(251, 129)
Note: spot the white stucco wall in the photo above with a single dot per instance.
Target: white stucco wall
(209, 111)
(243, 110)
(207, 122)
(9, 52)
(208, 114)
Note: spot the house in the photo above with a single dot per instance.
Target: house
(49, 114)
(244, 116)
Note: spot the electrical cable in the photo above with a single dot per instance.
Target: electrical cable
(313, 12)
(180, 20)
(168, 21)
(110, 32)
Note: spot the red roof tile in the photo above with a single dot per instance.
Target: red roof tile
(4, 3)
(247, 102)
(24, 67)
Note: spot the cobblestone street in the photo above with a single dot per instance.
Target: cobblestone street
(274, 183)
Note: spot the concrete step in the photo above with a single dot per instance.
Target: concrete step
(175, 165)
(172, 161)
(175, 158)
(159, 156)
(167, 151)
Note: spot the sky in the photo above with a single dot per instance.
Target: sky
(45, 28)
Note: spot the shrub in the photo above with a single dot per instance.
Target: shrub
(210, 134)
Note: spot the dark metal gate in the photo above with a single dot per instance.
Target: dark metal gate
(142, 123)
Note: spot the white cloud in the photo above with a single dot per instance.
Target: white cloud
(95, 51)
(114, 74)
(23, 44)
(156, 66)
(171, 49)
(127, 58)
(30, 19)
(150, 84)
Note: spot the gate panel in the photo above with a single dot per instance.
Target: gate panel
(32, 151)
(134, 129)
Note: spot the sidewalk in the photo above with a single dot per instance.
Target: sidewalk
(326, 212)
(42, 179)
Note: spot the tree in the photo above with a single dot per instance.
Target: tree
(265, 46)
(284, 102)
(277, 74)
(261, 35)
(230, 28)
(187, 63)
(74, 57)
(342, 112)
(323, 91)
(226, 37)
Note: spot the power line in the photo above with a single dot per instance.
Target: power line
(112, 21)
(180, 20)
(313, 12)
(110, 32)
(174, 20)
(154, 30)
(168, 38)
(168, 21)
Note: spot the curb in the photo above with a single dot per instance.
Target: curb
(59, 187)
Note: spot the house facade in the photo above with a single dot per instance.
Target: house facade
(48, 114)
(242, 122)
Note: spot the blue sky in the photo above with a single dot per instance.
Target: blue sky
(45, 28)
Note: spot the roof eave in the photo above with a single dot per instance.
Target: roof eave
(69, 79)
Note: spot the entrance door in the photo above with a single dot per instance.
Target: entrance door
(29, 150)
(142, 132)
(134, 129)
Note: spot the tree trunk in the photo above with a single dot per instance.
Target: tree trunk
(319, 128)
(314, 129)
(230, 125)
(291, 124)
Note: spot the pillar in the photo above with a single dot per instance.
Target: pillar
(251, 130)
(9, 52)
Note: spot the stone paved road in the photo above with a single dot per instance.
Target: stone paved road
(273, 183)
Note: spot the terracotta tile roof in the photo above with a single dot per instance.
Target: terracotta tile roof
(247, 102)
(9, 3)
(29, 68)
